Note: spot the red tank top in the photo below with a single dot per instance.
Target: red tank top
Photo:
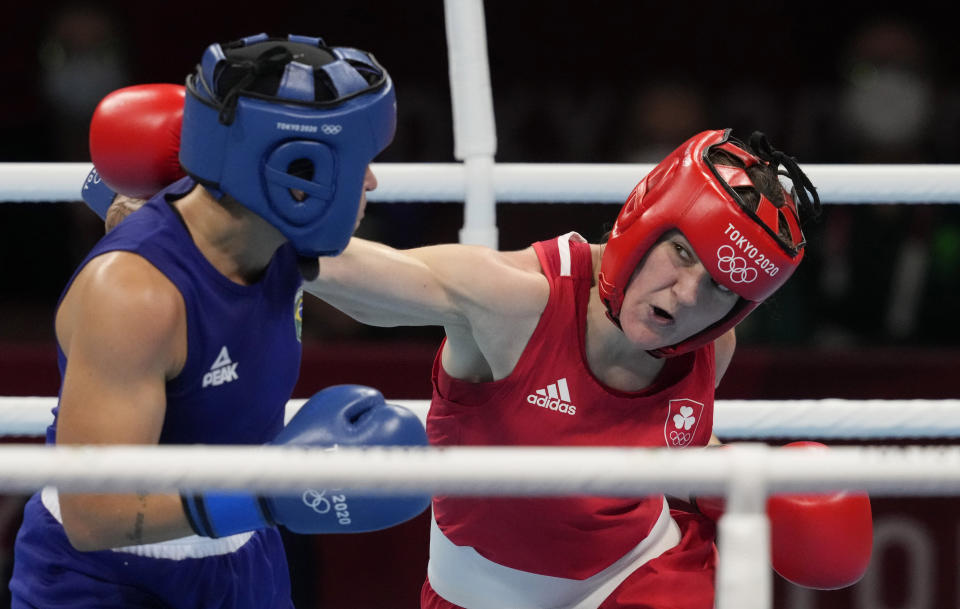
(552, 399)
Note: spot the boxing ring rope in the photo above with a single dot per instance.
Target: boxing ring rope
(741, 419)
(481, 470)
(541, 182)
(745, 473)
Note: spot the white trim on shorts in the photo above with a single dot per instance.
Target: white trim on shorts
(460, 575)
(182, 548)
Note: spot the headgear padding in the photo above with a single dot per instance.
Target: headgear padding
(266, 117)
(752, 252)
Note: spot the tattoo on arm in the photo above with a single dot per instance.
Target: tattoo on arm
(136, 536)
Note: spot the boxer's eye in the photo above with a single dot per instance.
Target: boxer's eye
(683, 252)
(300, 168)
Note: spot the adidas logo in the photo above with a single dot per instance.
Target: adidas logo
(556, 396)
(222, 371)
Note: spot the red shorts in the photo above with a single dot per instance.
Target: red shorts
(680, 578)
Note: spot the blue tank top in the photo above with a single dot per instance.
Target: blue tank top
(243, 357)
(243, 342)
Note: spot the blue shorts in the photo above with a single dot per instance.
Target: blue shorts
(48, 573)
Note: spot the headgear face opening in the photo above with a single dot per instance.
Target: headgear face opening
(287, 127)
(750, 251)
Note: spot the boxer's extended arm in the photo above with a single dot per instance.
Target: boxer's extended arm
(122, 326)
(448, 285)
(488, 302)
(378, 285)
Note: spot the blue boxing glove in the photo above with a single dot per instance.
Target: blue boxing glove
(342, 415)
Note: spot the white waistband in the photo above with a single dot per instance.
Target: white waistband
(462, 576)
(182, 548)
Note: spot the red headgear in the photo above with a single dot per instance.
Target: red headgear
(741, 248)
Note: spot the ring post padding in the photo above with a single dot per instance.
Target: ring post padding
(480, 211)
(743, 533)
(474, 131)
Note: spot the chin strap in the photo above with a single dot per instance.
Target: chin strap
(309, 267)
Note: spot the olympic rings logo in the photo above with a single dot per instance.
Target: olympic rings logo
(680, 438)
(735, 266)
(316, 501)
(331, 129)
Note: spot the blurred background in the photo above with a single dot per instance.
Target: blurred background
(870, 314)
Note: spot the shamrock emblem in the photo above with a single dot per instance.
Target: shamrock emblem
(684, 419)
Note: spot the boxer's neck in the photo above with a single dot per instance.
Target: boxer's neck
(236, 241)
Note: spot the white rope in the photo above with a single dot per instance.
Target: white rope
(837, 418)
(485, 470)
(742, 419)
(532, 182)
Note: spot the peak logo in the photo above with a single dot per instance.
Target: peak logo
(555, 396)
(223, 370)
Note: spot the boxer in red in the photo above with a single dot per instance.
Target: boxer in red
(614, 344)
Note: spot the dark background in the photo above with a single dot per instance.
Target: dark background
(572, 82)
(870, 314)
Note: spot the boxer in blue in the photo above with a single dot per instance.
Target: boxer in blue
(182, 326)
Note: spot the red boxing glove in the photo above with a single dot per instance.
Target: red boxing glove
(711, 507)
(820, 541)
(135, 138)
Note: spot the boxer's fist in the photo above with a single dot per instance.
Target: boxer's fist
(820, 541)
(135, 138)
(343, 415)
(348, 415)
(711, 507)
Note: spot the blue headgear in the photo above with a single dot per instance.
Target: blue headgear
(262, 112)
